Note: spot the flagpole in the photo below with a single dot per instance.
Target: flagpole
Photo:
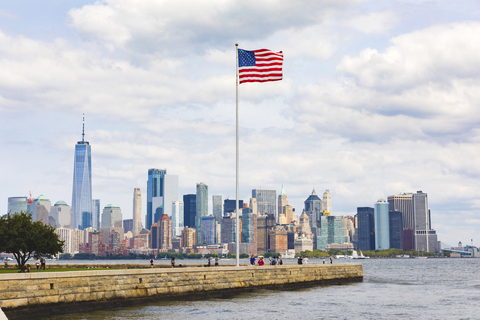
(237, 154)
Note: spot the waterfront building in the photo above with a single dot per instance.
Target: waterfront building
(278, 239)
(396, 229)
(209, 228)
(314, 207)
(137, 211)
(249, 228)
(327, 201)
(114, 241)
(404, 204)
(264, 223)
(201, 208)
(217, 207)
(96, 214)
(127, 225)
(188, 238)
(331, 231)
(60, 215)
(177, 218)
(96, 243)
(282, 203)
(66, 235)
(165, 232)
(349, 225)
(290, 214)
(303, 244)
(253, 205)
(366, 228)
(229, 206)
(82, 184)
(407, 237)
(382, 230)
(425, 238)
(229, 230)
(189, 210)
(17, 204)
(304, 229)
(164, 187)
(266, 201)
(153, 236)
(40, 209)
(111, 216)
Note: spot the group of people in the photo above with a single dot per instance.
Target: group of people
(261, 262)
(210, 261)
(303, 260)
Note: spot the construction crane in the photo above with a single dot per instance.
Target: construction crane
(30, 199)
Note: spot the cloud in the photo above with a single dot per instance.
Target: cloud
(180, 27)
(374, 22)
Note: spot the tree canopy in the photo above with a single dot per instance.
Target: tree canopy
(23, 237)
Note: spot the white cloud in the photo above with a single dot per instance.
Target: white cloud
(374, 22)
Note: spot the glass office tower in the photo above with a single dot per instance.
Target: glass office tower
(82, 184)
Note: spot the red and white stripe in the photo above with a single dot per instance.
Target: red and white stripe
(268, 67)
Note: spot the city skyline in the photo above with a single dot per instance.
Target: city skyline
(376, 101)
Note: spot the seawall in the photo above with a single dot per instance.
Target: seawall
(71, 291)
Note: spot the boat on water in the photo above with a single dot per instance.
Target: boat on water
(356, 256)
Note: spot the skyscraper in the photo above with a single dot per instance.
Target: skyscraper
(112, 217)
(160, 184)
(382, 229)
(17, 204)
(229, 205)
(40, 209)
(209, 230)
(137, 211)
(202, 208)
(282, 203)
(189, 210)
(404, 204)
(177, 218)
(217, 207)
(82, 183)
(327, 201)
(396, 229)
(60, 215)
(266, 201)
(331, 231)
(96, 214)
(313, 208)
(425, 238)
(165, 232)
(249, 227)
(154, 189)
(366, 228)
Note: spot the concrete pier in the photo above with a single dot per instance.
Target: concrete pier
(73, 291)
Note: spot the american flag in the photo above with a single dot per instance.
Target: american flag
(259, 65)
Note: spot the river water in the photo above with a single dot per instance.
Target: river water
(391, 289)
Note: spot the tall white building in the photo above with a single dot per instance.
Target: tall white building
(77, 239)
(327, 201)
(137, 212)
(66, 234)
(60, 215)
(382, 226)
(177, 218)
(217, 207)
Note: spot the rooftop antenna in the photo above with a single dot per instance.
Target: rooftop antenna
(83, 129)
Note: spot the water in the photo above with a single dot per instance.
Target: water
(392, 289)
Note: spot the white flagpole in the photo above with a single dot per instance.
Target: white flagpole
(236, 202)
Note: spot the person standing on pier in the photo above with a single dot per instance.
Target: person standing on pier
(151, 263)
(305, 260)
(252, 260)
(42, 263)
(299, 260)
(6, 263)
(216, 261)
(172, 262)
(37, 263)
(209, 261)
(261, 262)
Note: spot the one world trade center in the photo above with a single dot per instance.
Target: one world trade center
(82, 184)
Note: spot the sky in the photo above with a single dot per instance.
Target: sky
(378, 98)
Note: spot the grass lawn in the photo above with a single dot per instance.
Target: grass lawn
(13, 270)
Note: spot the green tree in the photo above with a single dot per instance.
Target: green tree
(65, 256)
(24, 238)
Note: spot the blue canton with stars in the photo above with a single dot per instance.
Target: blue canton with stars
(246, 58)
